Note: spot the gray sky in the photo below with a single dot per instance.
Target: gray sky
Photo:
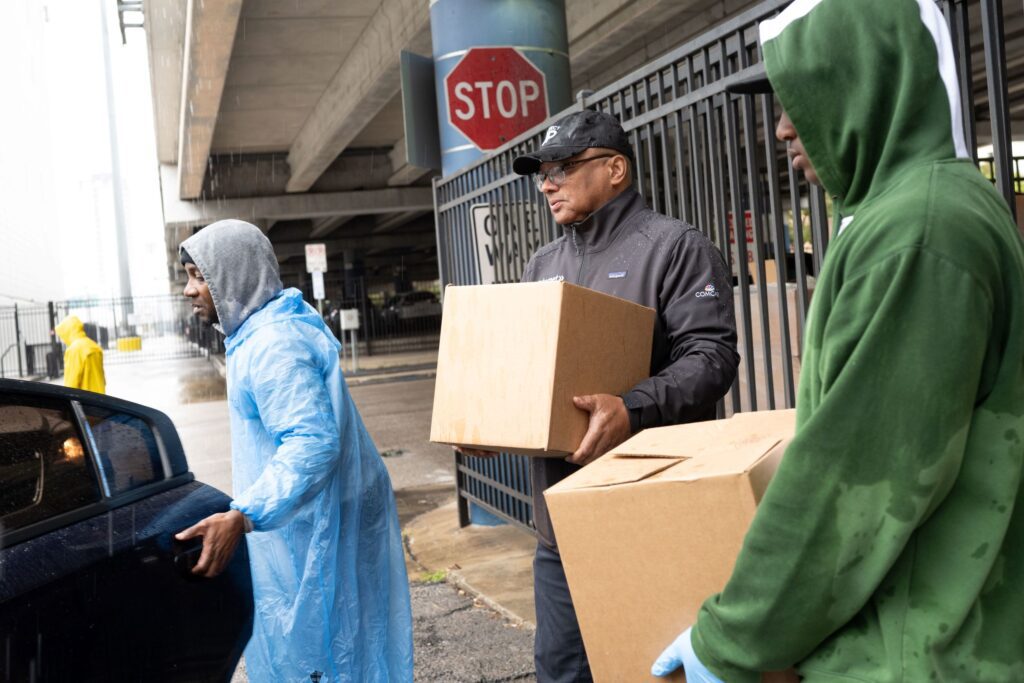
(57, 222)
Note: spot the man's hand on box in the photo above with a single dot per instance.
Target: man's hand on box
(475, 452)
(680, 654)
(609, 426)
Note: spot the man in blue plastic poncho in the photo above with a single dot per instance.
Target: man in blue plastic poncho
(331, 592)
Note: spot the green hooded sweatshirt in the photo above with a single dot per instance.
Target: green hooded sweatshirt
(890, 544)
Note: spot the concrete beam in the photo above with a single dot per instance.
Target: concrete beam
(610, 38)
(313, 205)
(367, 80)
(325, 226)
(405, 173)
(257, 175)
(165, 40)
(289, 250)
(209, 38)
(389, 223)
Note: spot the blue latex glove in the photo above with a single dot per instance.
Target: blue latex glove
(680, 654)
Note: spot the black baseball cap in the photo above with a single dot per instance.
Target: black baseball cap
(573, 134)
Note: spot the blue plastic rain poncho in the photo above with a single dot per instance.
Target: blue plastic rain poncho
(329, 577)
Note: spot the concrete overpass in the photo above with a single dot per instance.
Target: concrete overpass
(288, 114)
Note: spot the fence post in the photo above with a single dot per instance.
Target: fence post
(17, 340)
(52, 362)
(463, 504)
(999, 108)
(364, 322)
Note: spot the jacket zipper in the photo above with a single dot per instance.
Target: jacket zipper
(582, 255)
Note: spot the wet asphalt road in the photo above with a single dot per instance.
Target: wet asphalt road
(456, 639)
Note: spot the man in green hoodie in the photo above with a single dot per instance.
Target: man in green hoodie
(890, 544)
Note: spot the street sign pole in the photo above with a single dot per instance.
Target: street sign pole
(318, 290)
(350, 321)
(316, 265)
(355, 351)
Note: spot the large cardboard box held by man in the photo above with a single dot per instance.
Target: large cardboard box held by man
(652, 529)
(512, 357)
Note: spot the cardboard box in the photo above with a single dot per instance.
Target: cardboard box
(512, 357)
(652, 529)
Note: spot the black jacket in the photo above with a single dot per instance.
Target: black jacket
(627, 250)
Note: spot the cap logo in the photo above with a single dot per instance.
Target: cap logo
(552, 132)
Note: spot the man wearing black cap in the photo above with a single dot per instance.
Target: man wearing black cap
(614, 244)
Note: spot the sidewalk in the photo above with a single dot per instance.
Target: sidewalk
(493, 563)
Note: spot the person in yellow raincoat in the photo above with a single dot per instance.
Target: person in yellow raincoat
(83, 360)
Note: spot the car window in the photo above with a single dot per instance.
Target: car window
(44, 468)
(126, 447)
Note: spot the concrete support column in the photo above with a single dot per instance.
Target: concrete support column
(492, 96)
(354, 270)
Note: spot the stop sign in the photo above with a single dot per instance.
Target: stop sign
(494, 94)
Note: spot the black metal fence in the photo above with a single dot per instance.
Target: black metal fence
(404, 322)
(711, 159)
(129, 330)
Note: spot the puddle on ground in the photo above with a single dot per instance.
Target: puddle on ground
(200, 386)
(413, 502)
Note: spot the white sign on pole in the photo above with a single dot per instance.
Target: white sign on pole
(350, 318)
(316, 258)
(318, 285)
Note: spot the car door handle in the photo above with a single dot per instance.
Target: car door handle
(186, 554)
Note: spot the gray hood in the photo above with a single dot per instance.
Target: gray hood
(239, 265)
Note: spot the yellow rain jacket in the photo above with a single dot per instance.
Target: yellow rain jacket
(83, 360)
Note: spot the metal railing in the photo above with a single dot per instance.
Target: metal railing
(708, 158)
(131, 330)
(167, 330)
(987, 166)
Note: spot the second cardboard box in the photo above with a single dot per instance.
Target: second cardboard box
(651, 530)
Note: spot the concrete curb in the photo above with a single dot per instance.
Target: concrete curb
(380, 375)
(455, 578)
(390, 369)
(383, 378)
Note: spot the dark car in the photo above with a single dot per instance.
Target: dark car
(412, 306)
(93, 586)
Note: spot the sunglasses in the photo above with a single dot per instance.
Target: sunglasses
(557, 174)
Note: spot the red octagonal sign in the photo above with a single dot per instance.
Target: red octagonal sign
(494, 94)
